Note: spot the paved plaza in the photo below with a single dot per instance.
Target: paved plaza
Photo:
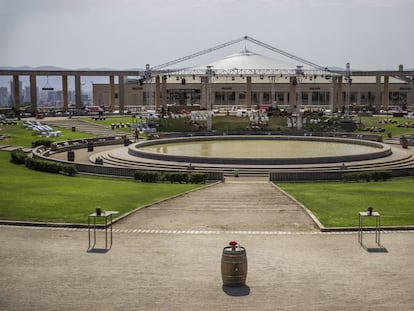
(167, 257)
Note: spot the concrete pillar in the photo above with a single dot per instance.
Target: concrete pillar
(249, 92)
(33, 94)
(292, 94)
(377, 93)
(339, 97)
(236, 98)
(358, 100)
(16, 93)
(203, 93)
(333, 95)
(65, 97)
(164, 93)
(285, 99)
(112, 93)
(157, 93)
(78, 92)
(261, 98)
(310, 98)
(121, 94)
(386, 96)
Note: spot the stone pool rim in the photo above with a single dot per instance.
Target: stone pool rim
(380, 150)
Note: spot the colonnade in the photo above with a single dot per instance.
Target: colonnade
(65, 92)
(336, 89)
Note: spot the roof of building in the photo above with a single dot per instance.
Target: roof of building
(247, 60)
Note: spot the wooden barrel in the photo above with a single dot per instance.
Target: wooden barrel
(234, 266)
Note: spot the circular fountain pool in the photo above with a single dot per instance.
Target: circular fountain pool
(260, 150)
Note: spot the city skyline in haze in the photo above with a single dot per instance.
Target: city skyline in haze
(125, 34)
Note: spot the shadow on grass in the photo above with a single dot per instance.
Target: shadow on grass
(236, 291)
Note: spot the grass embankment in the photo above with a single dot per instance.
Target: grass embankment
(36, 196)
(336, 204)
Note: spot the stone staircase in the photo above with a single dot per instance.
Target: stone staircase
(247, 203)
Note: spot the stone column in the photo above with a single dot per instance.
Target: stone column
(203, 93)
(310, 99)
(157, 93)
(377, 93)
(78, 92)
(16, 93)
(112, 93)
(339, 97)
(121, 94)
(358, 100)
(333, 95)
(292, 94)
(164, 92)
(285, 99)
(261, 98)
(236, 98)
(33, 94)
(65, 93)
(249, 92)
(386, 96)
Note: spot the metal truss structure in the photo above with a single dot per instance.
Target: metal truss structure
(315, 68)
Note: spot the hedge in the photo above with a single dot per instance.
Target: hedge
(172, 177)
(50, 167)
(198, 178)
(42, 142)
(177, 177)
(18, 156)
(147, 176)
(368, 176)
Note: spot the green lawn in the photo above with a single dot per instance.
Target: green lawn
(19, 136)
(37, 196)
(389, 128)
(336, 204)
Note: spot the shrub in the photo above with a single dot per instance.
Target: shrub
(50, 167)
(381, 175)
(366, 176)
(42, 142)
(18, 156)
(147, 176)
(179, 177)
(69, 169)
(198, 178)
(351, 176)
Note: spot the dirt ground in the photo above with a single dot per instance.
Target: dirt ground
(51, 269)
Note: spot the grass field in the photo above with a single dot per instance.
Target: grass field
(19, 136)
(389, 128)
(36, 196)
(336, 204)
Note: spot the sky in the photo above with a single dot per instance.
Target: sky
(125, 34)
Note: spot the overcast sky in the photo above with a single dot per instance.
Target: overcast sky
(122, 34)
